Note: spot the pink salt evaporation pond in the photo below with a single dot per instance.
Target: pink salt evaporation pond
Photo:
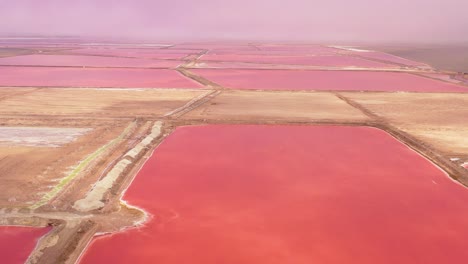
(299, 49)
(215, 46)
(390, 58)
(326, 80)
(17, 243)
(166, 54)
(87, 61)
(94, 77)
(325, 61)
(290, 194)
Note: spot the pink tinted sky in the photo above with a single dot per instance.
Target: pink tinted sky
(273, 20)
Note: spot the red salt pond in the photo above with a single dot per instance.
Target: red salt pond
(326, 61)
(232, 48)
(390, 58)
(278, 50)
(245, 65)
(16, 243)
(304, 49)
(93, 77)
(87, 61)
(136, 53)
(441, 76)
(290, 194)
(325, 80)
(263, 52)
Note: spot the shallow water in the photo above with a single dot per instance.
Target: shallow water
(93, 77)
(290, 194)
(87, 61)
(17, 243)
(326, 80)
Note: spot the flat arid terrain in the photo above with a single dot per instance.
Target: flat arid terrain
(114, 152)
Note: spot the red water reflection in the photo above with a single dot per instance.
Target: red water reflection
(215, 46)
(93, 77)
(304, 49)
(290, 194)
(87, 61)
(16, 243)
(326, 80)
(136, 53)
(326, 61)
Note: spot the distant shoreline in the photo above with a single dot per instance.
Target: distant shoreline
(443, 57)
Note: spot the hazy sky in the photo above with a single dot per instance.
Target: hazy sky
(273, 20)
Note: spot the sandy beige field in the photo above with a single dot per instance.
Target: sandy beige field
(28, 172)
(276, 106)
(436, 118)
(98, 102)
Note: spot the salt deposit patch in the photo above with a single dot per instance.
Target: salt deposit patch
(93, 199)
(465, 165)
(39, 136)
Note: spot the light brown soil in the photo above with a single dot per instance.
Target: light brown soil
(6, 93)
(8, 52)
(28, 172)
(18, 51)
(98, 102)
(276, 106)
(435, 118)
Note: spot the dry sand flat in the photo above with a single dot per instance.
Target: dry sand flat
(99, 102)
(284, 106)
(8, 52)
(438, 119)
(4, 93)
(449, 139)
(29, 172)
(39, 136)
